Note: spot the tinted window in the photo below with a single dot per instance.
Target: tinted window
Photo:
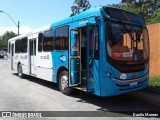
(124, 15)
(96, 55)
(17, 46)
(31, 47)
(12, 51)
(48, 40)
(34, 46)
(61, 38)
(21, 45)
(40, 37)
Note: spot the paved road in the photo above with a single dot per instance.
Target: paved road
(31, 94)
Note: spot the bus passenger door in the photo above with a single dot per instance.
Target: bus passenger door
(32, 49)
(91, 33)
(74, 58)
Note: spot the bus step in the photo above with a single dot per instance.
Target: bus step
(91, 79)
(84, 71)
(84, 78)
(83, 81)
(82, 88)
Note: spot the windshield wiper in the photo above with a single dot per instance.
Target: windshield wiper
(131, 34)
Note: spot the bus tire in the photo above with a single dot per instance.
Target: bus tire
(20, 71)
(63, 83)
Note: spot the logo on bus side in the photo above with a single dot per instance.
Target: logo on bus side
(23, 57)
(44, 57)
(83, 21)
(62, 58)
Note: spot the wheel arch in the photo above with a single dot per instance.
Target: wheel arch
(62, 68)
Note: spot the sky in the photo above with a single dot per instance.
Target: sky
(33, 14)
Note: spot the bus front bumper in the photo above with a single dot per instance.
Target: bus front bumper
(124, 86)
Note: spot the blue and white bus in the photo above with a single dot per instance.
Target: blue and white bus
(104, 51)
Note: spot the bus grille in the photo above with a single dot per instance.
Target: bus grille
(124, 85)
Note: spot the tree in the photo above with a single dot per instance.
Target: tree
(5, 37)
(145, 8)
(155, 18)
(80, 6)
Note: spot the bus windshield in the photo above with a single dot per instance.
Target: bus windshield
(124, 15)
(127, 42)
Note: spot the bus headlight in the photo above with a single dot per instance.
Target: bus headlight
(107, 73)
(123, 76)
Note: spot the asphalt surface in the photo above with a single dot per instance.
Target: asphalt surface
(32, 94)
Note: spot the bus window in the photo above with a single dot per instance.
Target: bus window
(9, 46)
(96, 53)
(40, 37)
(23, 45)
(12, 50)
(75, 43)
(17, 46)
(61, 38)
(48, 40)
(34, 47)
(31, 48)
(91, 40)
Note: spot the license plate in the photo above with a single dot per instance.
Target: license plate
(133, 83)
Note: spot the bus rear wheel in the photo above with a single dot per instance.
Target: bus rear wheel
(63, 83)
(20, 71)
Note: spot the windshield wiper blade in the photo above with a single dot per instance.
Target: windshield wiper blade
(129, 32)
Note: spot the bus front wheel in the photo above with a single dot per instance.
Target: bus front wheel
(20, 71)
(63, 83)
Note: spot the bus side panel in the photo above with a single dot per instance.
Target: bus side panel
(59, 59)
(104, 85)
(44, 66)
(23, 59)
(16, 60)
(96, 78)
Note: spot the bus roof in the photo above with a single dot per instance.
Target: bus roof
(30, 33)
(86, 14)
(89, 13)
(79, 16)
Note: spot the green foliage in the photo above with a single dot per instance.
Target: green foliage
(144, 8)
(155, 18)
(154, 81)
(80, 6)
(5, 37)
(149, 9)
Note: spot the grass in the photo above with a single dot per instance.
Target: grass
(154, 81)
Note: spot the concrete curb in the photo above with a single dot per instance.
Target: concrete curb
(153, 90)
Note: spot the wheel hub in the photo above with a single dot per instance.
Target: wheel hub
(64, 82)
(20, 71)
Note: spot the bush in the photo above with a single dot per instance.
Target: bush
(154, 81)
